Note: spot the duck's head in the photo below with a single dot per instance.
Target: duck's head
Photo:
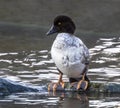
(62, 24)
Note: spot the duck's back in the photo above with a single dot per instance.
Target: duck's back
(69, 54)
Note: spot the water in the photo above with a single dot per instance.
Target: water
(26, 59)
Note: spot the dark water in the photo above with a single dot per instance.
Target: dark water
(26, 59)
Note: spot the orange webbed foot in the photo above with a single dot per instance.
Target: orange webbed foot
(56, 86)
(83, 84)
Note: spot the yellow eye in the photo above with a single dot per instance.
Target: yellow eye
(59, 23)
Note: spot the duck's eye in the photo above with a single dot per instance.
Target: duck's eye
(59, 23)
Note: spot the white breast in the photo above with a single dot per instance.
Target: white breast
(69, 54)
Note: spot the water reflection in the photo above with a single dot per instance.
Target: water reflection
(64, 100)
(105, 59)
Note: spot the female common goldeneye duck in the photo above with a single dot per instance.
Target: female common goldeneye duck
(69, 53)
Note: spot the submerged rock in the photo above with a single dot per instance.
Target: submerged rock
(7, 87)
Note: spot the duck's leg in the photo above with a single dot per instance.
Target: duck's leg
(60, 81)
(59, 84)
(84, 82)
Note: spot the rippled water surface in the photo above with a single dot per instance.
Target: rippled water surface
(27, 60)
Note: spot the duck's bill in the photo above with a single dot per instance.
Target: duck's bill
(51, 31)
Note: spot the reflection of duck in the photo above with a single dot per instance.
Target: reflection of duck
(69, 53)
(71, 100)
(80, 101)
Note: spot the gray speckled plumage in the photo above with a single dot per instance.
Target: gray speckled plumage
(69, 54)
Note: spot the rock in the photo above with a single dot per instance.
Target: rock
(7, 87)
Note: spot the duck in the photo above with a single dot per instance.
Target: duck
(69, 53)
